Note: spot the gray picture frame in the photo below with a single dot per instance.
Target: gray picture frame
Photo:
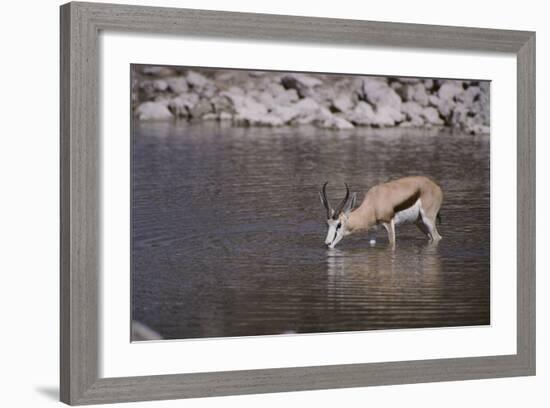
(81, 24)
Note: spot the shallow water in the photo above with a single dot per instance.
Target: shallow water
(228, 231)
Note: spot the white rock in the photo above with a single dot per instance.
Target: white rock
(449, 90)
(379, 94)
(302, 83)
(362, 114)
(196, 80)
(182, 105)
(160, 85)
(342, 103)
(387, 116)
(177, 84)
(432, 116)
(413, 113)
(153, 111)
(225, 116)
(335, 122)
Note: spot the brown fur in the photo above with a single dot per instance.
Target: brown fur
(382, 202)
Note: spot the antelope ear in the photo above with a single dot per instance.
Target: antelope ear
(350, 205)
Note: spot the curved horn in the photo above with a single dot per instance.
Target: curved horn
(342, 203)
(324, 199)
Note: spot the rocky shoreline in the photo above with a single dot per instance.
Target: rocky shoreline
(264, 98)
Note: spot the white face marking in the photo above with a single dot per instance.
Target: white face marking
(335, 233)
(410, 214)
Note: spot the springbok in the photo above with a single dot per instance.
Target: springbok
(413, 199)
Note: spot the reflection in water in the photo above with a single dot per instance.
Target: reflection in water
(412, 277)
(228, 231)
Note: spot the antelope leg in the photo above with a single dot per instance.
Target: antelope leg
(390, 227)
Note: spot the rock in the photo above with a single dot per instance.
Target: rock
(222, 103)
(431, 115)
(266, 99)
(420, 95)
(428, 84)
(470, 95)
(362, 114)
(196, 80)
(396, 86)
(302, 83)
(251, 118)
(414, 92)
(149, 89)
(335, 122)
(309, 111)
(387, 116)
(153, 111)
(342, 103)
(208, 91)
(471, 110)
(386, 101)
(201, 108)
(160, 85)
(225, 116)
(287, 97)
(182, 105)
(286, 113)
(250, 112)
(210, 116)
(257, 98)
(413, 113)
(449, 90)
(478, 129)
(177, 85)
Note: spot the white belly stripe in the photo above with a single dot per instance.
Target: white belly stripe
(410, 214)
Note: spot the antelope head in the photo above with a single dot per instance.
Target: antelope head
(337, 218)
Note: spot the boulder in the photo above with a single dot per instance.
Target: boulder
(303, 84)
(428, 84)
(221, 103)
(387, 116)
(160, 85)
(308, 111)
(250, 112)
(182, 105)
(342, 103)
(449, 90)
(336, 122)
(224, 116)
(201, 108)
(413, 113)
(208, 91)
(150, 89)
(431, 115)
(153, 111)
(362, 114)
(385, 100)
(177, 85)
(196, 80)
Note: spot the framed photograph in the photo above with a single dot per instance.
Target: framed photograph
(259, 203)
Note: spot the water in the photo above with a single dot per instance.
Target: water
(228, 231)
